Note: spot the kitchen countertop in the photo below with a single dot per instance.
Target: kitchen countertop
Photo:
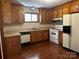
(11, 34)
(16, 33)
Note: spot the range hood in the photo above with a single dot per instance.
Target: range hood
(58, 19)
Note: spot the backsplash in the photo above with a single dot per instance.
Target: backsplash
(26, 26)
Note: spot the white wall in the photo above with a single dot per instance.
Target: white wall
(27, 9)
(12, 28)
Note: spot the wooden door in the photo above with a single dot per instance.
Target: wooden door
(0, 48)
(61, 38)
(65, 10)
(13, 46)
(39, 36)
(60, 13)
(14, 11)
(6, 11)
(1, 33)
(20, 13)
(51, 14)
(74, 6)
(55, 13)
(34, 37)
(45, 34)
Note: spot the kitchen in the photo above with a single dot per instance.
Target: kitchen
(38, 29)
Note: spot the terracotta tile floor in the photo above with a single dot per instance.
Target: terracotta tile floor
(46, 50)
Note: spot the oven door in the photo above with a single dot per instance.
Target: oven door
(54, 36)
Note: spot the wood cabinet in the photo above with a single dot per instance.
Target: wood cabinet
(34, 37)
(55, 13)
(60, 13)
(45, 34)
(12, 46)
(17, 14)
(60, 38)
(14, 14)
(38, 36)
(44, 15)
(74, 6)
(0, 53)
(20, 14)
(6, 11)
(65, 10)
(51, 14)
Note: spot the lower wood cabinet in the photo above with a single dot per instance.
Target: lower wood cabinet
(12, 46)
(34, 36)
(0, 53)
(38, 36)
(60, 38)
(45, 35)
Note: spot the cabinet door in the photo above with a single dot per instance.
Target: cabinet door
(34, 37)
(6, 11)
(13, 46)
(14, 14)
(39, 36)
(74, 8)
(55, 13)
(45, 15)
(42, 15)
(45, 34)
(20, 14)
(51, 14)
(65, 10)
(60, 13)
(60, 37)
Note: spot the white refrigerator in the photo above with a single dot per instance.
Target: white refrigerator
(73, 41)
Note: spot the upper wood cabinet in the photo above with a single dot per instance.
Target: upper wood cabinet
(14, 14)
(21, 13)
(55, 13)
(65, 10)
(44, 15)
(51, 14)
(74, 6)
(6, 11)
(60, 13)
(17, 14)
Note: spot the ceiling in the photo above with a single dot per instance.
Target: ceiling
(40, 3)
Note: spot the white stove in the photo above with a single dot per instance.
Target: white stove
(59, 27)
(54, 33)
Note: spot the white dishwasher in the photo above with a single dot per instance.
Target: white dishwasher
(25, 37)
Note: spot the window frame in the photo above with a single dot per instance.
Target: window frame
(31, 18)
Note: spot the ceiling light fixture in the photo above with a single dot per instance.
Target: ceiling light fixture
(48, 0)
(33, 8)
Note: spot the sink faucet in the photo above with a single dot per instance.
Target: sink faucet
(33, 28)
